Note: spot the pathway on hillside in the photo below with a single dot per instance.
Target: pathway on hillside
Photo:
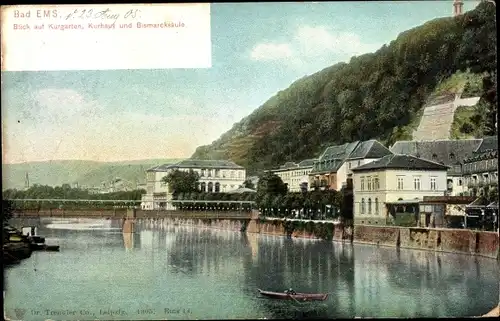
(438, 116)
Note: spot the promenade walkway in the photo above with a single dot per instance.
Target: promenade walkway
(303, 220)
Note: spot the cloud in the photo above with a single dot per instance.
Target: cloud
(320, 40)
(64, 103)
(312, 42)
(70, 125)
(271, 51)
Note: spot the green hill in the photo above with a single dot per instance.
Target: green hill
(376, 95)
(85, 173)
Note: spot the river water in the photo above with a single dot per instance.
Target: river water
(180, 272)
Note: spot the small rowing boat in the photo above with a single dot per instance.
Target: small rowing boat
(296, 296)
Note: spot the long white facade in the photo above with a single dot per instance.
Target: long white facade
(215, 177)
(295, 175)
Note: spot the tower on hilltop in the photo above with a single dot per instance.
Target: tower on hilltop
(457, 7)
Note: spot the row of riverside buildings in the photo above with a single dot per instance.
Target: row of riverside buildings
(403, 178)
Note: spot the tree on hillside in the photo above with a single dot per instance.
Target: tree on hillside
(181, 181)
(478, 54)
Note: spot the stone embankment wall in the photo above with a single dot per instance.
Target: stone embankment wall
(301, 229)
(444, 240)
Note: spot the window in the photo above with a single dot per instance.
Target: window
(433, 183)
(362, 187)
(376, 205)
(369, 206)
(362, 205)
(232, 174)
(400, 183)
(349, 164)
(359, 163)
(376, 184)
(416, 183)
(369, 180)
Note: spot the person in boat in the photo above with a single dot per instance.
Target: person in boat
(290, 291)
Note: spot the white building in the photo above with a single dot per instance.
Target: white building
(449, 152)
(295, 175)
(215, 176)
(394, 180)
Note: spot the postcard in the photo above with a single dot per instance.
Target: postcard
(287, 160)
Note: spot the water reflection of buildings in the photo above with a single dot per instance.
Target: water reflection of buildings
(191, 249)
(307, 266)
(253, 241)
(361, 280)
(415, 283)
(128, 241)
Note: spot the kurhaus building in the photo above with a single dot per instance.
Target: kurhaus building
(394, 183)
(215, 176)
(296, 175)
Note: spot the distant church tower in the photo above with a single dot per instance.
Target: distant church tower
(27, 181)
(457, 7)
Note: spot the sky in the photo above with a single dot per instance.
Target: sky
(258, 49)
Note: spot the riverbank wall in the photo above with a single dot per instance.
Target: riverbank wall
(469, 242)
(480, 243)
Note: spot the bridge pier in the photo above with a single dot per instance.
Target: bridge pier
(128, 225)
(131, 213)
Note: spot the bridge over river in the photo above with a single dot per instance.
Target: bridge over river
(215, 209)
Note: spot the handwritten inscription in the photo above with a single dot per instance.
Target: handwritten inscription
(106, 14)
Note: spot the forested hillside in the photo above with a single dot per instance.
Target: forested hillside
(373, 96)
